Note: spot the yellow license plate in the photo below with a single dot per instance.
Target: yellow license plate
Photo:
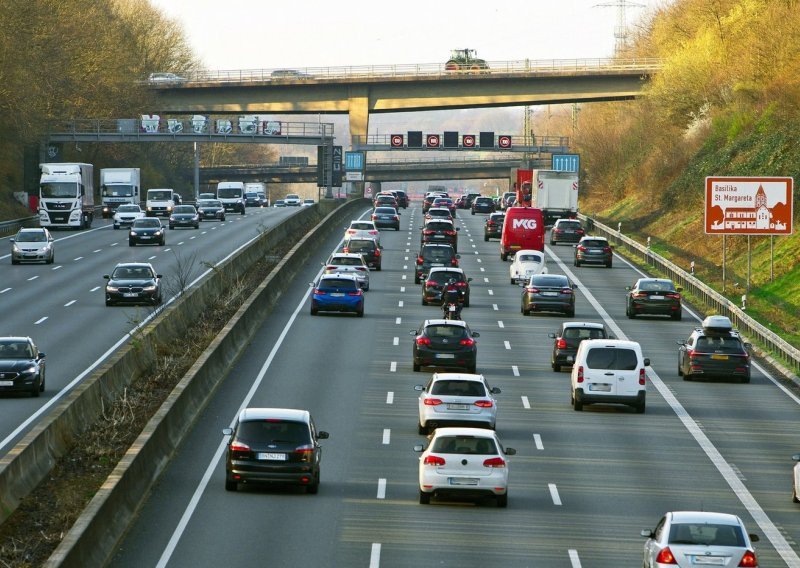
(720, 357)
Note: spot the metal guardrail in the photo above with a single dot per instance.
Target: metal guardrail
(710, 297)
(431, 70)
(14, 225)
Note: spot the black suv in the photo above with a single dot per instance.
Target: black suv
(431, 255)
(482, 205)
(593, 250)
(21, 366)
(437, 280)
(569, 336)
(402, 199)
(368, 248)
(273, 445)
(493, 228)
(440, 231)
(714, 350)
(566, 231)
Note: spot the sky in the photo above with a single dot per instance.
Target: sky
(269, 34)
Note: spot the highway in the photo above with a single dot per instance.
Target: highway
(583, 485)
(61, 306)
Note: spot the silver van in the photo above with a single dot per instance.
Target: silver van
(609, 371)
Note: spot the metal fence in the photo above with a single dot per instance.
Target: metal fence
(11, 227)
(709, 297)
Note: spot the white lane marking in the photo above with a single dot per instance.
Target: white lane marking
(170, 248)
(537, 439)
(80, 257)
(406, 258)
(192, 237)
(482, 269)
(515, 370)
(474, 246)
(525, 402)
(382, 488)
(4, 290)
(479, 260)
(485, 279)
(70, 303)
(393, 367)
(180, 243)
(59, 267)
(151, 257)
(33, 278)
(500, 324)
(507, 345)
(554, 493)
(97, 250)
(494, 307)
(114, 244)
(405, 267)
(402, 289)
(95, 289)
(40, 320)
(769, 529)
(470, 240)
(574, 559)
(387, 435)
(403, 277)
(375, 555)
(491, 292)
(396, 341)
(398, 321)
(400, 304)
(390, 397)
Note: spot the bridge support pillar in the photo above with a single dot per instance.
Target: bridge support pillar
(358, 114)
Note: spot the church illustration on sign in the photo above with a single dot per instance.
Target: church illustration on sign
(758, 217)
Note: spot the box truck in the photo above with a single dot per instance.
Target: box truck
(118, 186)
(66, 195)
(556, 194)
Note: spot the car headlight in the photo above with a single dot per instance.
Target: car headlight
(15, 248)
(47, 248)
(172, 218)
(112, 289)
(157, 233)
(133, 233)
(29, 371)
(150, 288)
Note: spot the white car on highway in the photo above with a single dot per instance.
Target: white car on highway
(456, 398)
(363, 230)
(125, 215)
(464, 462)
(292, 200)
(349, 263)
(527, 263)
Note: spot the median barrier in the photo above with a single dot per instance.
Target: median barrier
(92, 539)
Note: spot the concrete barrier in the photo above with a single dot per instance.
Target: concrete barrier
(94, 535)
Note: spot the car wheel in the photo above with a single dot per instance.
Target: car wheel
(313, 488)
(512, 281)
(794, 496)
(131, 243)
(571, 313)
(222, 218)
(109, 303)
(687, 377)
(314, 311)
(677, 316)
(485, 238)
(360, 313)
(577, 403)
(171, 227)
(35, 391)
(525, 311)
(52, 259)
(552, 242)
(466, 302)
(378, 267)
(629, 313)
(502, 500)
(231, 485)
(608, 265)
(424, 303)
(197, 226)
(416, 279)
(424, 498)
(116, 227)
(473, 212)
(556, 367)
(680, 370)
(416, 367)
(41, 385)
(577, 263)
(641, 407)
(163, 241)
(746, 379)
(422, 430)
(14, 260)
(503, 256)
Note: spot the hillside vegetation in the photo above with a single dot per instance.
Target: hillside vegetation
(726, 103)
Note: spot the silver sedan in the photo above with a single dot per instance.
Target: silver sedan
(456, 398)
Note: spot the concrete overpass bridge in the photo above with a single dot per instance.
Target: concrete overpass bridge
(361, 91)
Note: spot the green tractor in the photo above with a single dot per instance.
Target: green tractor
(465, 60)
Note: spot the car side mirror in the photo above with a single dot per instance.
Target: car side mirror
(469, 279)
(158, 276)
(475, 334)
(419, 388)
(41, 355)
(322, 435)
(419, 448)
(647, 533)
(574, 286)
(646, 361)
(796, 457)
(495, 390)
(458, 256)
(227, 431)
(551, 335)
(748, 346)
(627, 288)
(412, 332)
(458, 228)
(679, 288)
(510, 451)
(106, 276)
(753, 537)
(11, 240)
(311, 284)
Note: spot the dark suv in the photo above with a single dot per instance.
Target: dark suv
(482, 205)
(368, 248)
(273, 445)
(714, 350)
(593, 250)
(431, 255)
(437, 281)
(493, 228)
(440, 231)
(402, 199)
(657, 296)
(569, 336)
(566, 231)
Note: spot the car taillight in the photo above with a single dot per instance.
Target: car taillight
(423, 341)
(434, 460)
(674, 296)
(606, 249)
(361, 268)
(494, 462)
(428, 232)
(304, 449)
(373, 216)
(432, 402)
(483, 403)
(396, 218)
(377, 252)
(579, 231)
(239, 447)
(490, 223)
(461, 284)
(749, 559)
(556, 230)
(561, 343)
(346, 249)
(666, 557)
(429, 283)
(419, 260)
(351, 231)
(581, 248)
(373, 232)
(532, 290)
(319, 291)
(580, 374)
(691, 354)
(355, 293)
(469, 342)
(566, 290)
(641, 376)
(640, 295)
(454, 261)
(330, 267)
(449, 233)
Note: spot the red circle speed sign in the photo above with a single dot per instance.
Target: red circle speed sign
(468, 141)
(504, 141)
(397, 140)
(432, 141)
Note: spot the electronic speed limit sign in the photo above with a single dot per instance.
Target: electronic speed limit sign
(396, 141)
(504, 142)
(432, 140)
(468, 141)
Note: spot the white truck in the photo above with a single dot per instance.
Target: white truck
(119, 186)
(231, 194)
(66, 195)
(556, 194)
(160, 202)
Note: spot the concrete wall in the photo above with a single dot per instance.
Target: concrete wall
(93, 537)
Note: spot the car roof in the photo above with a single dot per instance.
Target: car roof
(621, 343)
(278, 413)
(459, 377)
(704, 517)
(133, 264)
(593, 238)
(458, 323)
(33, 230)
(583, 324)
(437, 245)
(528, 251)
(439, 209)
(15, 338)
(347, 255)
(338, 276)
(446, 269)
(654, 280)
(464, 431)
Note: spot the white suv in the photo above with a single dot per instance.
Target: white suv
(293, 200)
(609, 371)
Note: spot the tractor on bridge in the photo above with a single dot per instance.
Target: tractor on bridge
(465, 60)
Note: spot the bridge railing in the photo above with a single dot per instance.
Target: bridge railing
(524, 66)
(176, 126)
(712, 299)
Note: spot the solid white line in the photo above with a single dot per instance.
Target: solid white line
(387, 435)
(537, 439)
(515, 370)
(507, 345)
(389, 397)
(494, 307)
(393, 367)
(33, 278)
(95, 289)
(59, 267)
(400, 304)
(40, 320)
(4, 290)
(500, 324)
(574, 559)
(375, 555)
(398, 321)
(70, 303)
(525, 402)
(554, 493)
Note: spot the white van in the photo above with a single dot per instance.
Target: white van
(609, 371)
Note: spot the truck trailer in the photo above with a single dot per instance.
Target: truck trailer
(66, 195)
(119, 186)
(556, 194)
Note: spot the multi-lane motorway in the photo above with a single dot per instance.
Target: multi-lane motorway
(61, 305)
(582, 487)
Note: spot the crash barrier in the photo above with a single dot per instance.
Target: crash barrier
(11, 227)
(712, 299)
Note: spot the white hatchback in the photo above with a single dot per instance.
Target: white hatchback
(527, 263)
(362, 230)
(456, 398)
(349, 263)
(609, 371)
(464, 462)
(125, 215)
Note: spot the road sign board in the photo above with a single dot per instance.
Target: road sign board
(566, 162)
(396, 140)
(354, 176)
(468, 141)
(354, 161)
(432, 141)
(504, 142)
(748, 205)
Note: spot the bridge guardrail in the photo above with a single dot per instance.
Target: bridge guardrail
(710, 297)
(14, 225)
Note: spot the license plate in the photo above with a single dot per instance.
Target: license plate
(595, 252)
(130, 295)
(549, 293)
(458, 406)
(337, 294)
(145, 237)
(6, 383)
(271, 456)
(708, 560)
(569, 359)
(600, 387)
(437, 263)
(720, 357)
(445, 356)
(463, 480)
(451, 308)
(438, 236)
(656, 297)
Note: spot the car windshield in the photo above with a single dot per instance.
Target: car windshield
(710, 344)
(446, 331)
(31, 237)
(208, 203)
(292, 196)
(438, 254)
(594, 243)
(569, 225)
(337, 284)
(612, 358)
(159, 195)
(129, 209)
(385, 211)
(442, 276)
(438, 213)
(250, 195)
(184, 209)
(361, 246)
(530, 258)
(656, 286)
(584, 333)
(439, 226)
(458, 388)
(265, 431)
(464, 445)
(146, 223)
(131, 273)
(15, 350)
(706, 534)
(362, 226)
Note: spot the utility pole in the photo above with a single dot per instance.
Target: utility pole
(621, 29)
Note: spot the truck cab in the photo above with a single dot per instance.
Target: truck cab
(231, 194)
(160, 202)
(66, 195)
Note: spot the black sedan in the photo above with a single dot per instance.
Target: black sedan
(386, 217)
(274, 445)
(483, 205)
(445, 343)
(493, 228)
(569, 336)
(184, 216)
(21, 366)
(438, 279)
(548, 293)
(146, 231)
(211, 209)
(133, 283)
(653, 296)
